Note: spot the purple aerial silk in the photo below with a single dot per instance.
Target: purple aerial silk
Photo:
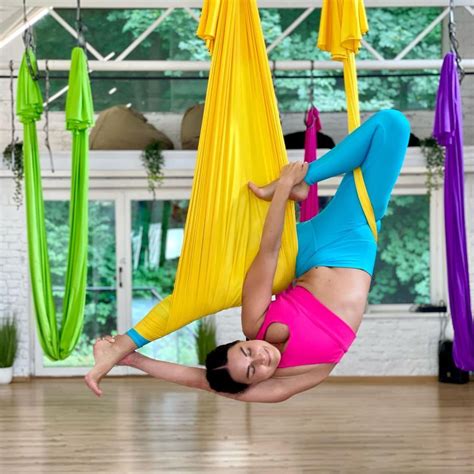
(310, 206)
(448, 131)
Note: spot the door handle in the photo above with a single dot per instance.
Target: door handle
(120, 272)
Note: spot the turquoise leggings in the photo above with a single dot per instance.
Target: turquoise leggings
(339, 235)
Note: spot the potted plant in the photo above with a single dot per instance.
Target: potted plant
(434, 155)
(205, 338)
(13, 158)
(8, 349)
(153, 160)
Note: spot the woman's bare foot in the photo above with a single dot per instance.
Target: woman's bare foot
(100, 348)
(103, 364)
(265, 192)
(298, 193)
(107, 352)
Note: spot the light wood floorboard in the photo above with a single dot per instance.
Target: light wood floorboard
(143, 425)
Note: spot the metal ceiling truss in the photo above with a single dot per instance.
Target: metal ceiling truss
(105, 63)
(15, 25)
(73, 32)
(34, 14)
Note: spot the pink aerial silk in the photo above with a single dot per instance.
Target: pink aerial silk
(310, 206)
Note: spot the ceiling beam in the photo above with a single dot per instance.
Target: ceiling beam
(74, 34)
(148, 31)
(198, 3)
(159, 66)
(422, 34)
(17, 26)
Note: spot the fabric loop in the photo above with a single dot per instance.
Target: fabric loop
(29, 102)
(342, 25)
(79, 109)
(57, 344)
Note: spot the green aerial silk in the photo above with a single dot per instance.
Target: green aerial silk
(57, 344)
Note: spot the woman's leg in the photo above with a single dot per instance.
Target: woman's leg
(378, 147)
(339, 235)
(298, 193)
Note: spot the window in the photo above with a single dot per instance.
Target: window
(100, 314)
(175, 39)
(402, 268)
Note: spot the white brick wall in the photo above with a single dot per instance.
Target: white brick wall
(14, 272)
(404, 345)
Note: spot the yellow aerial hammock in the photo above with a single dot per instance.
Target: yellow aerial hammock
(343, 22)
(241, 140)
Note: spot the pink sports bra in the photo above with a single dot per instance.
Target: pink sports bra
(317, 335)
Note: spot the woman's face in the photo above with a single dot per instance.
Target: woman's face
(252, 361)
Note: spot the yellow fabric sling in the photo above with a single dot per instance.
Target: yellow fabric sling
(241, 140)
(343, 22)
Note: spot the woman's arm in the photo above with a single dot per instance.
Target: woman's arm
(193, 377)
(270, 391)
(258, 284)
(290, 175)
(279, 389)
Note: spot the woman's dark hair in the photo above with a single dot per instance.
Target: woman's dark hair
(218, 377)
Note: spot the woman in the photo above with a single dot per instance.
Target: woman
(294, 342)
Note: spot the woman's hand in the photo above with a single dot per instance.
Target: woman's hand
(293, 173)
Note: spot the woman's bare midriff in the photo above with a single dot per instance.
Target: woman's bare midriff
(343, 290)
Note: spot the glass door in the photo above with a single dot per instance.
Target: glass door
(134, 247)
(156, 239)
(104, 310)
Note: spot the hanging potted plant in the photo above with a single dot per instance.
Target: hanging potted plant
(13, 158)
(152, 159)
(8, 349)
(435, 156)
(205, 338)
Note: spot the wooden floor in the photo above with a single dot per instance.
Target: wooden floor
(142, 425)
